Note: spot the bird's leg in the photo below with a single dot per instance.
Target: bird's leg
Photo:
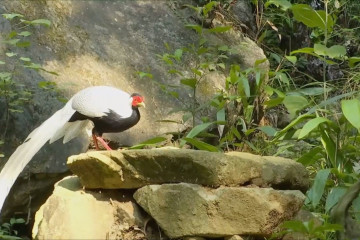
(101, 140)
(95, 142)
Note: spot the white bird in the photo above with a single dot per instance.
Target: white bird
(108, 108)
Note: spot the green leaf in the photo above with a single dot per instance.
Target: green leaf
(151, 141)
(334, 196)
(25, 33)
(335, 51)
(273, 102)
(12, 41)
(295, 104)
(145, 74)
(191, 82)
(268, 130)
(25, 59)
(298, 120)
(10, 16)
(311, 125)
(197, 28)
(312, 18)
(303, 50)
(198, 129)
(351, 111)
(220, 29)
(317, 190)
(208, 7)
(201, 145)
(353, 61)
(292, 59)
(23, 44)
(10, 54)
(284, 4)
(178, 53)
(44, 22)
(311, 156)
(1, 62)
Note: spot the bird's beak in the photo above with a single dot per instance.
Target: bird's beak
(142, 104)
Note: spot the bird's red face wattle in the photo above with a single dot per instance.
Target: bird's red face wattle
(138, 101)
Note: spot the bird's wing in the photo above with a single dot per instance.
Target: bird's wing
(24, 153)
(99, 100)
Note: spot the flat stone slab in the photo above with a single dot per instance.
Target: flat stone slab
(192, 210)
(137, 168)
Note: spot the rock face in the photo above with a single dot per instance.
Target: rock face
(188, 209)
(103, 43)
(210, 195)
(137, 168)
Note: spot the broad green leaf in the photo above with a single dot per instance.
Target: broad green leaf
(1, 62)
(334, 196)
(25, 33)
(283, 77)
(295, 104)
(312, 18)
(292, 59)
(208, 7)
(293, 123)
(198, 129)
(353, 61)
(351, 111)
(23, 44)
(316, 191)
(178, 53)
(191, 82)
(10, 54)
(268, 130)
(25, 59)
(284, 4)
(220, 29)
(44, 22)
(223, 48)
(335, 51)
(197, 28)
(311, 125)
(273, 102)
(151, 141)
(260, 61)
(10, 16)
(145, 74)
(201, 145)
(311, 156)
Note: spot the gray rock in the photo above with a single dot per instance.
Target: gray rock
(72, 213)
(191, 210)
(137, 168)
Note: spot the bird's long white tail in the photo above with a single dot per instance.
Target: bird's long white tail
(24, 153)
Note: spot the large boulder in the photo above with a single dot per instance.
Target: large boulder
(73, 213)
(191, 210)
(137, 168)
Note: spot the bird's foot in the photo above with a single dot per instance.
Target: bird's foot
(102, 141)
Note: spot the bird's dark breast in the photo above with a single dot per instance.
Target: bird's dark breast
(110, 123)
